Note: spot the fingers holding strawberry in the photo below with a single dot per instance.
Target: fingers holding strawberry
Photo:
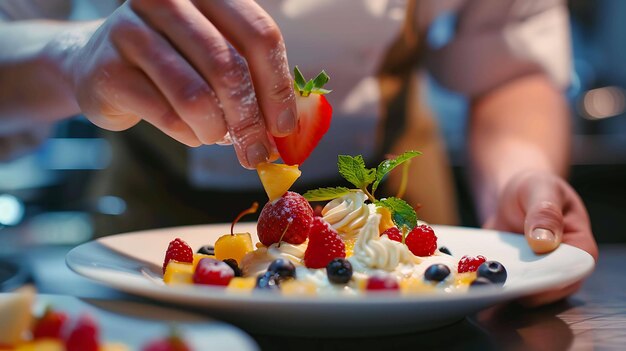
(314, 116)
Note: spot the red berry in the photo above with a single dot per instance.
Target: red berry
(213, 272)
(291, 214)
(178, 250)
(84, 336)
(393, 233)
(470, 264)
(171, 343)
(49, 325)
(324, 245)
(382, 282)
(421, 240)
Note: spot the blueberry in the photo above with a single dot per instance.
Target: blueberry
(445, 250)
(283, 268)
(268, 281)
(481, 281)
(207, 250)
(339, 271)
(232, 263)
(494, 271)
(437, 272)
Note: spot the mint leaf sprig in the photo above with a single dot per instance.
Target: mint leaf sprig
(353, 169)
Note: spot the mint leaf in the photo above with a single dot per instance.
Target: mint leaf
(402, 214)
(325, 194)
(353, 170)
(387, 165)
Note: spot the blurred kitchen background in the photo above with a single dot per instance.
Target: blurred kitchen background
(43, 195)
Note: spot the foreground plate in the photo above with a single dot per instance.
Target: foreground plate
(136, 324)
(132, 263)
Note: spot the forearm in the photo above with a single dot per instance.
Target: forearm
(35, 86)
(519, 127)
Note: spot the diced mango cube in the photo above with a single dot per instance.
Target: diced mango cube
(177, 273)
(464, 279)
(385, 219)
(298, 288)
(277, 178)
(413, 285)
(233, 246)
(42, 345)
(242, 284)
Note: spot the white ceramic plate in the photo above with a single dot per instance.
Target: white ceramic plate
(132, 263)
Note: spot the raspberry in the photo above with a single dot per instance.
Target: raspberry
(422, 240)
(84, 336)
(393, 233)
(324, 245)
(212, 272)
(382, 282)
(288, 217)
(178, 250)
(49, 325)
(470, 264)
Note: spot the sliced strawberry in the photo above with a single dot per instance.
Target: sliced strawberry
(314, 116)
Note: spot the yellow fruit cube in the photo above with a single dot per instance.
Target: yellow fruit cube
(414, 285)
(385, 219)
(233, 246)
(464, 279)
(196, 258)
(177, 273)
(277, 178)
(42, 345)
(241, 284)
(298, 288)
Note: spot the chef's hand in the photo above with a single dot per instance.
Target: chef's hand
(197, 70)
(548, 211)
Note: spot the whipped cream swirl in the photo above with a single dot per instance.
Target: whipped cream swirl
(347, 214)
(372, 251)
(257, 261)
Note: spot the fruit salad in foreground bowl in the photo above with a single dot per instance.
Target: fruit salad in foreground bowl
(356, 244)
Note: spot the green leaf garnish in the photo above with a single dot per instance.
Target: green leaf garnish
(387, 165)
(402, 214)
(320, 80)
(313, 86)
(299, 80)
(325, 194)
(353, 170)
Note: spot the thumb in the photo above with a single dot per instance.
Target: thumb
(543, 226)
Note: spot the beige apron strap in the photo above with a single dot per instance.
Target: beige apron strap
(407, 124)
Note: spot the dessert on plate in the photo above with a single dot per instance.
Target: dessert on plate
(356, 243)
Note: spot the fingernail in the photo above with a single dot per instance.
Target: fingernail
(256, 153)
(542, 234)
(286, 121)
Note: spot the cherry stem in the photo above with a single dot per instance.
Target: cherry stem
(283, 234)
(251, 210)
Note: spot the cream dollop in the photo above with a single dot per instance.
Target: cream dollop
(257, 261)
(372, 251)
(347, 214)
